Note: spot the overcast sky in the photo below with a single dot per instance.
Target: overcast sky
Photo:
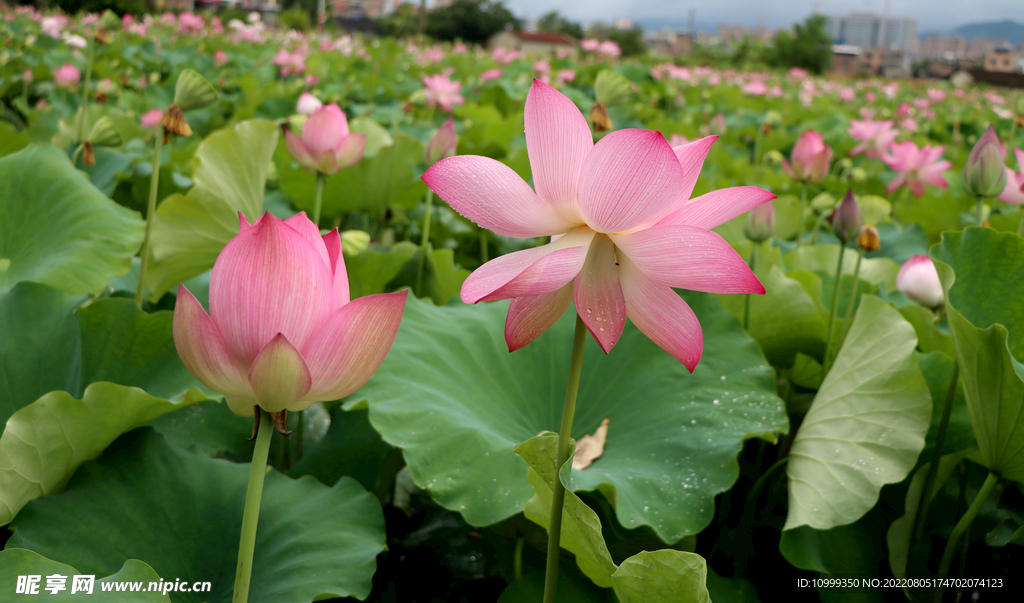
(931, 15)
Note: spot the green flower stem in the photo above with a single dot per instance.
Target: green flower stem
(517, 559)
(564, 435)
(299, 429)
(835, 308)
(800, 219)
(851, 302)
(484, 255)
(817, 226)
(318, 197)
(423, 242)
(961, 527)
(1020, 224)
(85, 91)
(980, 211)
(76, 154)
(251, 515)
(933, 470)
(154, 180)
(746, 302)
(752, 494)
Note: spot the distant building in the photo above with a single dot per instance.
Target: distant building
(867, 30)
(533, 43)
(957, 49)
(1004, 59)
(853, 60)
(670, 42)
(736, 33)
(360, 9)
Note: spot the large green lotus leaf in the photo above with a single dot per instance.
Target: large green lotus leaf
(373, 184)
(68, 127)
(937, 369)
(866, 426)
(350, 447)
(581, 527)
(993, 383)
(989, 288)
(785, 321)
(664, 576)
(181, 512)
(457, 402)
(57, 228)
(190, 230)
(45, 442)
(731, 590)
(372, 270)
(572, 588)
(824, 258)
(929, 337)
(22, 562)
(48, 343)
(840, 550)
(899, 533)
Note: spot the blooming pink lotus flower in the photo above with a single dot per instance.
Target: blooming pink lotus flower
(326, 144)
(590, 44)
(1014, 191)
(53, 25)
(811, 158)
(442, 92)
(308, 104)
(490, 74)
(609, 48)
(282, 332)
(874, 137)
(290, 62)
(564, 76)
(623, 229)
(76, 41)
(916, 167)
(66, 76)
(151, 118)
(919, 281)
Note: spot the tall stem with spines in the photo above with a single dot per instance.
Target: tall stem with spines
(423, 242)
(251, 514)
(154, 182)
(564, 437)
(835, 308)
(318, 197)
(85, 92)
(800, 219)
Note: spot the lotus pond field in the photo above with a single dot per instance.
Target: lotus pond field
(288, 317)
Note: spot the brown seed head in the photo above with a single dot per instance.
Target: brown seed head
(599, 118)
(174, 122)
(87, 155)
(868, 239)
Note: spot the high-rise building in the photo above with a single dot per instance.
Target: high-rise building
(867, 30)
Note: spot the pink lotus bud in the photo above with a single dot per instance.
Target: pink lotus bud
(152, 118)
(846, 220)
(308, 104)
(326, 146)
(282, 333)
(28, 76)
(919, 281)
(760, 223)
(490, 74)
(66, 76)
(810, 159)
(220, 58)
(984, 173)
(442, 144)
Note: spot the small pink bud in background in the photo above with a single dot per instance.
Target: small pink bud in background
(442, 144)
(27, 76)
(810, 159)
(490, 74)
(846, 220)
(308, 104)
(326, 145)
(984, 173)
(220, 58)
(760, 223)
(151, 118)
(76, 41)
(919, 281)
(312, 80)
(66, 76)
